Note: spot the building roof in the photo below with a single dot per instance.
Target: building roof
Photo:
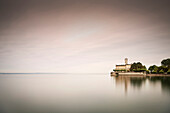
(120, 65)
(123, 64)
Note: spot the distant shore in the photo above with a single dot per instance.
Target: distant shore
(158, 75)
(138, 74)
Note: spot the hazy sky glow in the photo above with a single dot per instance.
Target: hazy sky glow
(75, 36)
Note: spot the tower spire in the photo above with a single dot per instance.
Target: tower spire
(126, 60)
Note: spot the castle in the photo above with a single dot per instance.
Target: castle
(124, 67)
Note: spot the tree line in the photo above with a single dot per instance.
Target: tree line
(163, 69)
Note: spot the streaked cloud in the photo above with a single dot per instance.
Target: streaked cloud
(82, 36)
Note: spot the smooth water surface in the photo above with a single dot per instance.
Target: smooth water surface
(83, 93)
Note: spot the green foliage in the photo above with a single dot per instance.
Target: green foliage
(134, 70)
(154, 72)
(119, 70)
(147, 71)
(155, 69)
(139, 70)
(166, 63)
(161, 71)
(165, 69)
(133, 67)
(168, 72)
(137, 67)
(143, 69)
(151, 68)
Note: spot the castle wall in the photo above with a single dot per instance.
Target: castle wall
(120, 67)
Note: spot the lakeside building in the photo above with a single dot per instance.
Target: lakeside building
(123, 67)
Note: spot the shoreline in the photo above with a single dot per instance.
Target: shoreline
(158, 75)
(138, 74)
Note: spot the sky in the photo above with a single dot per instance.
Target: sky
(82, 36)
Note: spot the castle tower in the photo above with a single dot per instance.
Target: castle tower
(126, 60)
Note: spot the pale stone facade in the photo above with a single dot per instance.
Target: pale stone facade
(126, 66)
(122, 67)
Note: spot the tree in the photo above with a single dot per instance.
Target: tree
(168, 72)
(147, 71)
(165, 69)
(161, 71)
(144, 67)
(155, 70)
(151, 68)
(133, 67)
(137, 67)
(166, 63)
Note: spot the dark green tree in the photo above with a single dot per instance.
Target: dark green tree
(166, 63)
(164, 68)
(151, 68)
(133, 67)
(168, 72)
(161, 71)
(137, 67)
(155, 70)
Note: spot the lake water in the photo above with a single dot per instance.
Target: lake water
(83, 93)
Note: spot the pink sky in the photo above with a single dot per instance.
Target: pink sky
(82, 36)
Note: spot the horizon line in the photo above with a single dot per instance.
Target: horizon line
(49, 73)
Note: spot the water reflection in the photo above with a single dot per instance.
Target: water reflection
(138, 82)
(83, 93)
(165, 82)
